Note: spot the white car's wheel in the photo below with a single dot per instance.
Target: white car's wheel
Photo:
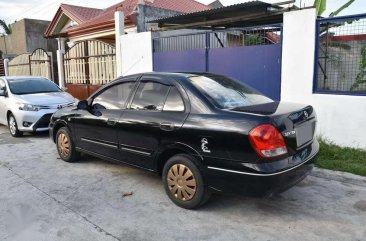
(13, 126)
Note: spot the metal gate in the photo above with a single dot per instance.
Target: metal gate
(19, 65)
(38, 63)
(88, 65)
(251, 55)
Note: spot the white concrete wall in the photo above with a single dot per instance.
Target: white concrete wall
(137, 54)
(341, 118)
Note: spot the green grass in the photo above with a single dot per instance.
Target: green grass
(343, 159)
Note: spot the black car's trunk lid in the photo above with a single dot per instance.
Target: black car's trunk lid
(296, 122)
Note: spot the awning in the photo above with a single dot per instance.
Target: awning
(239, 15)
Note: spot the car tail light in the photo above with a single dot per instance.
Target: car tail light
(267, 141)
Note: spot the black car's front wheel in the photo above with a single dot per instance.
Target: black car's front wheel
(65, 146)
(184, 183)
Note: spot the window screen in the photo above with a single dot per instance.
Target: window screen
(150, 96)
(114, 97)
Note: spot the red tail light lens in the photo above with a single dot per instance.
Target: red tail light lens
(267, 141)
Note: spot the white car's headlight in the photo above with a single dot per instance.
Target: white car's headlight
(28, 107)
(75, 102)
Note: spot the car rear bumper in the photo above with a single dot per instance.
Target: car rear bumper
(263, 183)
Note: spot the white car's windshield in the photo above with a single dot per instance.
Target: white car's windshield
(32, 86)
(227, 93)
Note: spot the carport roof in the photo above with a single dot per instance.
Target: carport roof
(238, 15)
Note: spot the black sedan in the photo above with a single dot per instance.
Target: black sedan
(202, 132)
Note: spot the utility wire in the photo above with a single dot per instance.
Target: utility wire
(29, 11)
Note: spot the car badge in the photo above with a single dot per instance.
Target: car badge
(204, 147)
(59, 107)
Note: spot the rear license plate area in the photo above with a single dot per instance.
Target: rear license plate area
(304, 133)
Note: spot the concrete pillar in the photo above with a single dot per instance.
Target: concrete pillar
(60, 62)
(137, 53)
(119, 19)
(298, 49)
(6, 67)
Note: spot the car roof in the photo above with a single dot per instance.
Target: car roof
(174, 74)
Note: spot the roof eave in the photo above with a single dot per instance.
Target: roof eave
(97, 27)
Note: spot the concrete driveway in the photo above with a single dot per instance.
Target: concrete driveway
(44, 198)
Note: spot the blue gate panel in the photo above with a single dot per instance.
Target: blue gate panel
(189, 60)
(257, 66)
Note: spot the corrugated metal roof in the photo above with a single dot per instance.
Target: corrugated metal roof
(244, 5)
(236, 15)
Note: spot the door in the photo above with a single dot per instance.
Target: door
(156, 113)
(96, 129)
(3, 99)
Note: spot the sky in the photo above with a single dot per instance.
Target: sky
(12, 10)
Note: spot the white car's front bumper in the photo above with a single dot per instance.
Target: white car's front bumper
(32, 121)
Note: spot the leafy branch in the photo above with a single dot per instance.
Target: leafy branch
(360, 78)
(7, 28)
(321, 6)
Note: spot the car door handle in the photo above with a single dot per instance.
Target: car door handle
(167, 126)
(111, 122)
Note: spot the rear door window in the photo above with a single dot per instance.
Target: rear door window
(174, 101)
(150, 95)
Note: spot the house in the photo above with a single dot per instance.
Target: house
(87, 49)
(82, 23)
(26, 36)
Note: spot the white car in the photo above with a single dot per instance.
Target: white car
(27, 103)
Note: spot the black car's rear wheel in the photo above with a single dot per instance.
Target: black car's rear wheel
(13, 126)
(65, 146)
(184, 183)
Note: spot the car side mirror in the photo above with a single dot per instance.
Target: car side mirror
(2, 92)
(83, 105)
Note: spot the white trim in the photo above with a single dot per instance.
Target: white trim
(258, 174)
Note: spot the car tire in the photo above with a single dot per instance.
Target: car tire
(65, 146)
(184, 183)
(13, 126)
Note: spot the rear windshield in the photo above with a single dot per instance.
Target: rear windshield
(226, 93)
(32, 86)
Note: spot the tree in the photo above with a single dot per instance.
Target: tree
(321, 6)
(7, 28)
(360, 78)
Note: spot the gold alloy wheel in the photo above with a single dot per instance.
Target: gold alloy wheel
(181, 182)
(63, 145)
